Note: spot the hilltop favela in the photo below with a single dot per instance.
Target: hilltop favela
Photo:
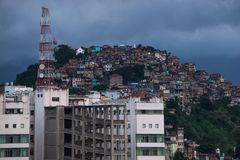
(115, 84)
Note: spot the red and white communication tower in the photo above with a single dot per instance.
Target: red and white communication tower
(46, 70)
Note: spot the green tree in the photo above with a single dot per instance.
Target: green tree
(131, 73)
(100, 87)
(62, 54)
(206, 148)
(206, 103)
(28, 77)
(179, 156)
(172, 103)
(77, 91)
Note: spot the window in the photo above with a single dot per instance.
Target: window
(129, 139)
(14, 152)
(32, 127)
(149, 138)
(32, 112)
(143, 125)
(55, 99)
(22, 125)
(31, 152)
(156, 125)
(2, 139)
(128, 125)
(67, 124)
(150, 112)
(149, 125)
(19, 138)
(151, 151)
(68, 111)
(24, 138)
(67, 152)
(14, 126)
(67, 138)
(6, 125)
(31, 138)
(14, 111)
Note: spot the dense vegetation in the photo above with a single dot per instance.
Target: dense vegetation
(131, 73)
(62, 54)
(209, 123)
(179, 156)
(27, 77)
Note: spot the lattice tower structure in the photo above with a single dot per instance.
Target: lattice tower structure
(46, 70)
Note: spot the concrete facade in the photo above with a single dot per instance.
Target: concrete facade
(45, 97)
(146, 129)
(86, 132)
(16, 123)
(120, 129)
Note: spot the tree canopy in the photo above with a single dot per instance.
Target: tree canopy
(27, 77)
(131, 73)
(219, 127)
(179, 156)
(62, 54)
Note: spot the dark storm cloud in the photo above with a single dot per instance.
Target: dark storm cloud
(190, 29)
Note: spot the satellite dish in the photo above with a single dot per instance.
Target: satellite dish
(41, 75)
(41, 66)
(41, 57)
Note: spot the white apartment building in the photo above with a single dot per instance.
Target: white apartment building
(145, 123)
(16, 123)
(46, 97)
(146, 129)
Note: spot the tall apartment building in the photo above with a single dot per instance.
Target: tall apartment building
(106, 130)
(86, 132)
(146, 129)
(16, 123)
(46, 97)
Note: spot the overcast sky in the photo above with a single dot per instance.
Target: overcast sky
(204, 32)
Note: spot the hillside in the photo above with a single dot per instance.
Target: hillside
(215, 127)
(208, 118)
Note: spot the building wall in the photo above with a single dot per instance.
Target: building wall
(151, 158)
(54, 137)
(45, 97)
(15, 122)
(54, 116)
(132, 128)
(10, 89)
(90, 132)
(146, 121)
(1, 99)
(15, 119)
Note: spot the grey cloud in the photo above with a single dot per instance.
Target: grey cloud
(191, 29)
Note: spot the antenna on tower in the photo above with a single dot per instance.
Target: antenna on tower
(46, 71)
